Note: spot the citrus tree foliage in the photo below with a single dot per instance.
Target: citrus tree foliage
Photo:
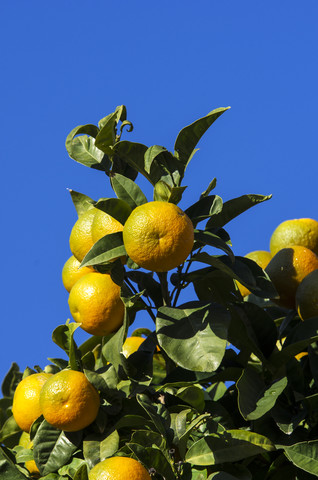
(208, 395)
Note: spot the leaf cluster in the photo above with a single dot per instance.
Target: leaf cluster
(212, 392)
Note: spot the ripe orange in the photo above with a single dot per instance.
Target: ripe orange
(131, 345)
(307, 296)
(119, 468)
(300, 231)
(69, 401)
(71, 272)
(95, 302)
(287, 269)
(26, 405)
(81, 240)
(30, 465)
(158, 236)
(103, 224)
(262, 258)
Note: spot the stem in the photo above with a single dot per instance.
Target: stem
(148, 307)
(164, 288)
(182, 284)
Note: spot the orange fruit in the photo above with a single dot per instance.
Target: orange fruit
(95, 302)
(307, 296)
(158, 236)
(287, 269)
(81, 240)
(300, 231)
(262, 258)
(69, 401)
(71, 272)
(26, 405)
(103, 224)
(30, 465)
(131, 345)
(119, 468)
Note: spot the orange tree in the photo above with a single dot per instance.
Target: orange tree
(208, 394)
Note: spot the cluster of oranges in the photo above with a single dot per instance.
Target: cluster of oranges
(157, 236)
(292, 265)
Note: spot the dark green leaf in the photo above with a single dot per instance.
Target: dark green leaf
(157, 413)
(146, 282)
(194, 336)
(166, 193)
(190, 135)
(203, 237)
(234, 207)
(63, 337)
(133, 154)
(9, 429)
(153, 457)
(254, 398)
(11, 380)
(53, 448)
(205, 208)
(127, 190)
(115, 207)
(105, 250)
(302, 335)
(106, 137)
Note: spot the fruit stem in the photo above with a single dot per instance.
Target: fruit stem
(164, 288)
(147, 307)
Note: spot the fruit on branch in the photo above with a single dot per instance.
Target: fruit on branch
(158, 236)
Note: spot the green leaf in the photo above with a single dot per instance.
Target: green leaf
(146, 282)
(63, 337)
(202, 237)
(205, 208)
(127, 190)
(11, 380)
(304, 455)
(190, 135)
(10, 429)
(105, 250)
(82, 202)
(211, 187)
(192, 395)
(234, 207)
(231, 446)
(97, 448)
(106, 137)
(115, 207)
(254, 398)
(166, 193)
(221, 476)
(83, 149)
(195, 335)
(133, 154)
(153, 458)
(8, 470)
(242, 269)
(157, 412)
(302, 335)
(53, 448)
(81, 474)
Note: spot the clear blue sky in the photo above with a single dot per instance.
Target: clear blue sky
(66, 63)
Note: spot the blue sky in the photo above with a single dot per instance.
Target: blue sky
(66, 63)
